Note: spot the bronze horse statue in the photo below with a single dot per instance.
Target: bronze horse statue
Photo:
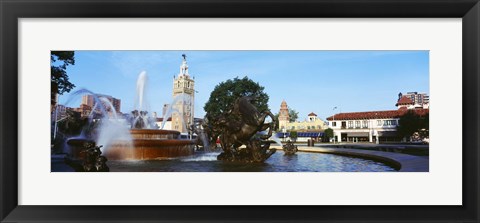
(239, 128)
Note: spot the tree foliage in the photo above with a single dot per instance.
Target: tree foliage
(224, 95)
(59, 60)
(293, 115)
(328, 133)
(277, 123)
(411, 122)
(72, 124)
(293, 135)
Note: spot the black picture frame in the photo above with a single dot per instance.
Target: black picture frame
(12, 10)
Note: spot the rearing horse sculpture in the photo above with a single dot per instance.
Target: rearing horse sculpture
(240, 127)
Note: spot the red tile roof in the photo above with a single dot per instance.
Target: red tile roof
(312, 114)
(376, 114)
(161, 119)
(404, 101)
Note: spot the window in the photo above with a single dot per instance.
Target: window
(357, 124)
(390, 122)
(365, 124)
(334, 124)
(379, 122)
(350, 124)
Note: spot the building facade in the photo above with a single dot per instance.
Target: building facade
(413, 100)
(311, 124)
(373, 126)
(183, 99)
(89, 101)
(84, 110)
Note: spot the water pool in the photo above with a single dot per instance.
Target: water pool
(278, 162)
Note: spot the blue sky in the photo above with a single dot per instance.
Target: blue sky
(309, 81)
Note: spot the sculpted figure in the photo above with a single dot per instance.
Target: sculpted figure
(238, 132)
(289, 148)
(93, 161)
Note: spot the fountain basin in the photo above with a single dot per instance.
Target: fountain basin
(154, 134)
(148, 144)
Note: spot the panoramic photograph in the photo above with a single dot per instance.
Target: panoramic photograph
(239, 111)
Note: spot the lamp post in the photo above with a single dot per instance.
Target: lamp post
(284, 130)
(333, 121)
(56, 119)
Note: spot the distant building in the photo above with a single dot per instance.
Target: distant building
(283, 116)
(183, 87)
(412, 100)
(375, 126)
(84, 110)
(311, 124)
(89, 100)
(167, 125)
(311, 128)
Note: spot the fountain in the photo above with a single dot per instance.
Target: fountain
(289, 148)
(147, 141)
(143, 141)
(243, 129)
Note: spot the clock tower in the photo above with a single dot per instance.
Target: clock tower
(183, 98)
(283, 117)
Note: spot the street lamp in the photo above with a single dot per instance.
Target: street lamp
(56, 118)
(333, 121)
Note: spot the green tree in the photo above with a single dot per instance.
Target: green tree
(277, 123)
(59, 60)
(411, 122)
(328, 133)
(293, 135)
(293, 115)
(224, 95)
(72, 124)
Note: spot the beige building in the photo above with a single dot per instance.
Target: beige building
(311, 124)
(183, 99)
